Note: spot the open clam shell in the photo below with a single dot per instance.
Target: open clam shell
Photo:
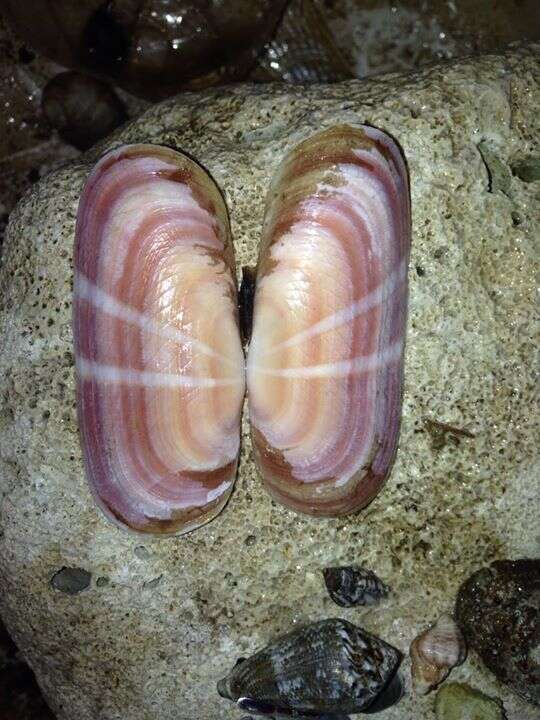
(325, 364)
(160, 368)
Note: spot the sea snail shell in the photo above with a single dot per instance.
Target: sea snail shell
(350, 585)
(159, 388)
(435, 652)
(330, 666)
(324, 370)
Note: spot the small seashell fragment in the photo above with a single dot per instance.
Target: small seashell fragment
(435, 652)
(160, 368)
(274, 713)
(324, 369)
(330, 666)
(349, 586)
(303, 49)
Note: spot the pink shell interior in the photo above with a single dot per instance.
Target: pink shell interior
(160, 368)
(324, 367)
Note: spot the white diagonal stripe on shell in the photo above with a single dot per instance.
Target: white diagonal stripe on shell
(88, 369)
(347, 314)
(341, 368)
(86, 290)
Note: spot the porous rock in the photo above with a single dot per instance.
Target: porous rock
(498, 610)
(129, 648)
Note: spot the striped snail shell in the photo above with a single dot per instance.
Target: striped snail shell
(348, 586)
(329, 667)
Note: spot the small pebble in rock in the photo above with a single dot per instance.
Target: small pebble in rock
(71, 580)
(528, 169)
(142, 553)
(151, 584)
(459, 701)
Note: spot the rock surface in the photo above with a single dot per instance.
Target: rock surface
(498, 610)
(160, 621)
(459, 701)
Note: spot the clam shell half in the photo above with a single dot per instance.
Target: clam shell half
(160, 368)
(325, 363)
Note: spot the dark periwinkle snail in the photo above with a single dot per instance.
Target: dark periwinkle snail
(153, 48)
(82, 108)
(348, 586)
(330, 667)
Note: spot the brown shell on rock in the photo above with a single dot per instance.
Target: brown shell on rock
(435, 652)
(82, 108)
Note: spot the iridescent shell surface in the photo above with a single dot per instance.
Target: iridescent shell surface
(435, 652)
(325, 364)
(160, 368)
(330, 666)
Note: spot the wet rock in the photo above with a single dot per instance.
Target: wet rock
(458, 701)
(498, 611)
(82, 108)
(153, 48)
(121, 651)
